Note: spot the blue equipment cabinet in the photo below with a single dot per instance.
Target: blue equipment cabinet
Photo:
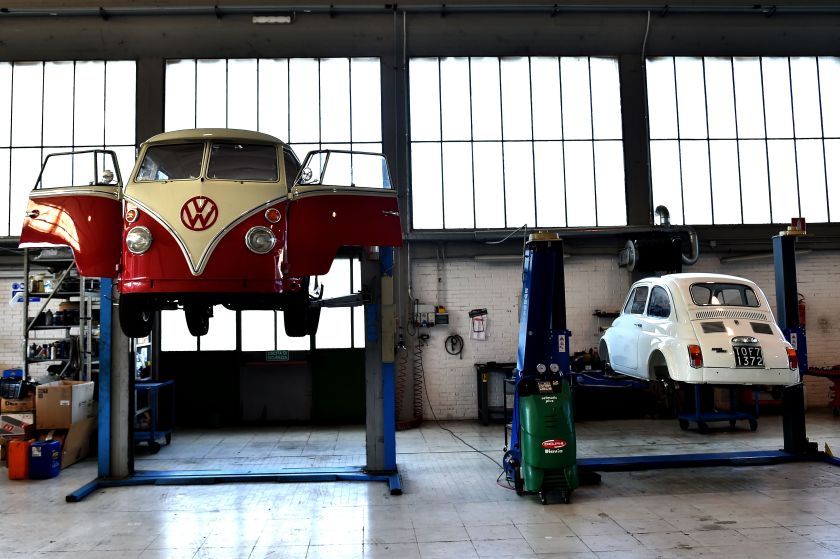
(542, 453)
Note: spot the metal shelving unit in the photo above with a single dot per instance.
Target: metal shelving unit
(81, 332)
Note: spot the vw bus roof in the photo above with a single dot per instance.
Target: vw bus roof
(213, 134)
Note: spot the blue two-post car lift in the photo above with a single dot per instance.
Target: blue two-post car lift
(796, 448)
(377, 275)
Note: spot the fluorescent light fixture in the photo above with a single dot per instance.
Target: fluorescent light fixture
(498, 258)
(271, 19)
(762, 256)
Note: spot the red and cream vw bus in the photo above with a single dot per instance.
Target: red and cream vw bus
(212, 216)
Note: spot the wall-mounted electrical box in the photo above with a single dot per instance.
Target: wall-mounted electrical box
(424, 315)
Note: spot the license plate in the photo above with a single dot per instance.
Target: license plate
(748, 356)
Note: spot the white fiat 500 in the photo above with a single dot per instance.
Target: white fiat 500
(699, 328)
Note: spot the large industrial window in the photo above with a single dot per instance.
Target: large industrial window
(308, 103)
(506, 142)
(264, 330)
(49, 107)
(745, 140)
(338, 328)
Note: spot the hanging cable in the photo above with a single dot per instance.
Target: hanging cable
(454, 345)
(419, 380)
(512, 233)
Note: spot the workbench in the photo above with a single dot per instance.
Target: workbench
(147, 401)
(484, 372)
(832, 374)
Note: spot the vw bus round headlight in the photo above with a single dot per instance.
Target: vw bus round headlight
(138, 240)
(260, 239)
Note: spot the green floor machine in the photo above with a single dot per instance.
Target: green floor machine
(541, 457)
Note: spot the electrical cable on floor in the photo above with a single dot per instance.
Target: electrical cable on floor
(437, 421)
(499, 479)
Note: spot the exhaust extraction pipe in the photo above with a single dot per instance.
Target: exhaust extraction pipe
(664, 217)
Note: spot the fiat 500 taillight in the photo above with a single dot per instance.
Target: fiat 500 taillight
(695, 356)
(793, 360)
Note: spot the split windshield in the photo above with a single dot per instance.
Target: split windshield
(723, 295)
(245, 162)
(228, 161)
(171, 162)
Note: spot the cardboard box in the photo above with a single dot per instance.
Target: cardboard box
(17, 423)
(75, 442)
(18, 405)
(58, 405)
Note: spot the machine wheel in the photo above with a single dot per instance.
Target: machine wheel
(168, 438)
(835, 412)
(154, 447)
(135, 318)
(198, 319)
(703, 427)
(298, 318)
(313, 317)
(518, 482)
(753, 424)
(566, 497)
(543, 497)
(732, 424)
(684, 424)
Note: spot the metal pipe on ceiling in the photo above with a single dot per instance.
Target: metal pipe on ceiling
(221, 11)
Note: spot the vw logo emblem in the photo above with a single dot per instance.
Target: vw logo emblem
(199, 213)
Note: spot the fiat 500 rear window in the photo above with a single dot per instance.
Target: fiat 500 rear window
(171, 162)
(723, 295)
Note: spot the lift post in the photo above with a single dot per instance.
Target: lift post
(787, 315)
(542, 452)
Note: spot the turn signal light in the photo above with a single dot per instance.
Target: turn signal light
(272, 215)
(793, 360)
(695, 356)
(131, 214)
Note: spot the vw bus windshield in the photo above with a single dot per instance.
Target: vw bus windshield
(723, 295)
(171, 162)
(243, 162)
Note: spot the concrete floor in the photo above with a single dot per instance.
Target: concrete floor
(451, 506)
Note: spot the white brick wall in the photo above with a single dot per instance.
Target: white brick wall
(11, 328)
(592, 282)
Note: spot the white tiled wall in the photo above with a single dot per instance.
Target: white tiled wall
(592, 282)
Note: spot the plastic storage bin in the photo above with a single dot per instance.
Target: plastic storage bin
(44, 459)
(18, 459)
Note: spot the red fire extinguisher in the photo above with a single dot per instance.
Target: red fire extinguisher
(801, 311)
